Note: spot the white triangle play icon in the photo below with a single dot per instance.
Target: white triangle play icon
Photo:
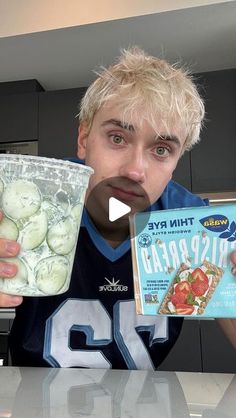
(117, 209)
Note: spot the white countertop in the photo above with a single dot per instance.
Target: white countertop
(62, 393)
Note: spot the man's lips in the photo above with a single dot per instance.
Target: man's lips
(124, 193)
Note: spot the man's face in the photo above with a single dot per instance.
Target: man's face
(127, 156)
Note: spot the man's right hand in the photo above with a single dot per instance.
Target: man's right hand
(8, 249)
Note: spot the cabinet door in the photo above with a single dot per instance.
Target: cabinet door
(218, 354)
(58, 125)
(186, 354)
(4, 335)
(18, 117)
(213, 159)
(182, 173)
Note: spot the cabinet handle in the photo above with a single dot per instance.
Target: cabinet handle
(219, 198)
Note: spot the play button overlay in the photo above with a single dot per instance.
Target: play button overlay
(117, 209)
(112, 202)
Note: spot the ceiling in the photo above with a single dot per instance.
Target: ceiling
(202, 37)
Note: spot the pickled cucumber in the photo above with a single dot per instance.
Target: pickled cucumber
(8, 229)
(34, 232)
(51, 274)
(62, 237)
(76, 212)
(20, 199)
(1, 186)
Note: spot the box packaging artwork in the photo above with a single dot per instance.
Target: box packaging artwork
(181, 262)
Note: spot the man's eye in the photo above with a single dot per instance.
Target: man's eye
(117, 139)
(162, 151)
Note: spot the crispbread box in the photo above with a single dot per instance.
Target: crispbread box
(181, 261)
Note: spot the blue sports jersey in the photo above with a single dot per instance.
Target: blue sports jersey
(94, 324)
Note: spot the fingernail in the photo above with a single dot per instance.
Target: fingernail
(12, 248)
(8, 269)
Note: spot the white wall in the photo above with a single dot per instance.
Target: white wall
(27, 16)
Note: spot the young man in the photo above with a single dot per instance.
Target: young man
(136, 120)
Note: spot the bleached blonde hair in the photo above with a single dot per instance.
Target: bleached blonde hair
(150, 88)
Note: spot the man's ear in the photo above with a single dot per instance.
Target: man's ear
(82, 141)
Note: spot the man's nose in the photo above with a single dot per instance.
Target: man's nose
(133, 167)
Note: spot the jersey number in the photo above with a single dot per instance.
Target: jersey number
(91, 318)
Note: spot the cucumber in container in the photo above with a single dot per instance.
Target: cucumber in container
(42, 201)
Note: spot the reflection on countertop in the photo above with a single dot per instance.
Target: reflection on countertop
(62, 393)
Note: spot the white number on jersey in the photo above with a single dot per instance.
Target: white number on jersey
(91, 318)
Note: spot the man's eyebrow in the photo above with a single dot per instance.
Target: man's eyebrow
(129, 127)
(124, 125)
(172, 138)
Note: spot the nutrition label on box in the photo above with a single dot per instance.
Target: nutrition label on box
(181, 262)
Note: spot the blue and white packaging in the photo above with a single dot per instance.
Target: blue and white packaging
(181, 262)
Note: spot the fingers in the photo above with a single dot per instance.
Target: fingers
(233, 261)
(8, 248)
(10, 301)
(7, 269)
(233, 257)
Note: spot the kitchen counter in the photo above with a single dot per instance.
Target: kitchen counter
(62, 393)
(7, 313)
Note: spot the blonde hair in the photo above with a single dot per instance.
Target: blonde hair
(151, 88)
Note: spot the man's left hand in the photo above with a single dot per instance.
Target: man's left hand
(229, 324)
(233, 260)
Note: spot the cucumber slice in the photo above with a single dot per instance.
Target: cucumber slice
(51, 274)
(8, 229)
(20, 199)
(62, 237)
(76, 212)
(34, 232)
(14, 284)
(1, 186)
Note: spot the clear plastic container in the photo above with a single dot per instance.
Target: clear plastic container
(42, 200)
